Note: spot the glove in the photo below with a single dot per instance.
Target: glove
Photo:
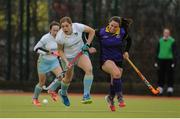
(85, 47)
(55, 53)
(69, 65)
(156, 65)
(172, 65)
(125, 55)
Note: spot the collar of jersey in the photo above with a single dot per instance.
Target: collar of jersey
(51, 35)
(116, 33)
(166, 38)
(73, 32)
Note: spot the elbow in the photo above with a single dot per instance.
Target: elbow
(35, 49)
(93, 32)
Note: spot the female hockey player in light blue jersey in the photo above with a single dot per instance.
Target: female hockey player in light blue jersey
(47, 61)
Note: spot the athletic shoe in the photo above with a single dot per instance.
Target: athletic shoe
(113, 108)
(170, 91)
(64, 98)
(53, 95)
(120, 100)
(36, 102)
(110, 102)
(86, 99)
(122, 104)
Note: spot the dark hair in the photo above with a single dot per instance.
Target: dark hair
(65, 19)
(125, 22)
(53, 23)
(116, 19)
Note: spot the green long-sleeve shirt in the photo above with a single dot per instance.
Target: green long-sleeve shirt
(166, 48)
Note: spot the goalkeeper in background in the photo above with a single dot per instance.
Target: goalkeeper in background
(166, 54)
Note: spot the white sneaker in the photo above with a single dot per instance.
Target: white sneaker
(160, 90)
(170, 90)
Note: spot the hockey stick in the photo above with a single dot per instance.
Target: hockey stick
(151, 88)
(62, 74)
(42, 50)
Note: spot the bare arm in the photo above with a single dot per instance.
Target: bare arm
(61, 52)
(91, 33)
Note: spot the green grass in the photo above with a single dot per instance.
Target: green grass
(18, 105)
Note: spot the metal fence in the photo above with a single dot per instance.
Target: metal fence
(23, 22)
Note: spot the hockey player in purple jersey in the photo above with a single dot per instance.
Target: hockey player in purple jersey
(115, 43)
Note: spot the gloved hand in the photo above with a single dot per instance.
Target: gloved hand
(156, 65)
(85, 47)
(126, 55)
(172, 65)
(69, 65)
(92, 50)
(55, 53)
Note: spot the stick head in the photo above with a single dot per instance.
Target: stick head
(155, 91)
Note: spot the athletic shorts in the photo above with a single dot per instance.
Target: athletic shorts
(45, 65)
(63, 65)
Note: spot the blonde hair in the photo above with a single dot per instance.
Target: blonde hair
(65, 19)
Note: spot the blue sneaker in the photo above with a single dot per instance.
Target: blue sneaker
(86, 99)
(64, 98)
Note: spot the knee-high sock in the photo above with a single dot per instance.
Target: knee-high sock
(112, 92)
(88, 79)
(64, 88)
(117, 83)
(55, 84)
(37, 91)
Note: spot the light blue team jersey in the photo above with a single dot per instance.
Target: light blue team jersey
(72, 43)
(47, 42)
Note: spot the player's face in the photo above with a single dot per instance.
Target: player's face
(54, 30)
(67, 28)
(166, 33)
(113, 26)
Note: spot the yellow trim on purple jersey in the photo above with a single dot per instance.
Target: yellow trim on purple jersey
(116, 33)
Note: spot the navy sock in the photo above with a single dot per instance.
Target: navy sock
(112, 92)
(118, 89)
(117, 83)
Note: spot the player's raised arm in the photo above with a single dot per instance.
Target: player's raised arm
(91, 33)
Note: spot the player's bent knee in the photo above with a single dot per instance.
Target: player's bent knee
(67, 80)
(41, 84)
(116, 75)
(88, 71)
